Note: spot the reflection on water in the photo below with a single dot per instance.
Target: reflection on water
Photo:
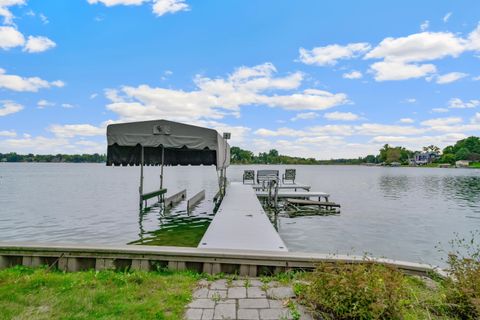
(464, 188)
(174, 227)
(400, 213)
(394, 186)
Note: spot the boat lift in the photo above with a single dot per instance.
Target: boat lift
(163, 142)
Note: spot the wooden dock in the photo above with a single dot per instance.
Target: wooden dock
(71, 257)
(295, 194)
(286, 186)
(241, 223)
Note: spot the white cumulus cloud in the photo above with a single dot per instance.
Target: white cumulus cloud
(403, 56)
(214, 98)
(5, 11)
(407, 120)
(437, 122)
(425, 25)
(38, 44)
(9, 107)
(31, 84)
(73, 130)
(111, 3)
(44, 103)
(159, 7)
(450, 77)
(10, 38)
(424, 46)
(341, 116)
(305, 116)
(8, 133)
(398, 70)
(354, 74)
(457, 103)
(329, 55)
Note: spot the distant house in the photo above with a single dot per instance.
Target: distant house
(423, 158)
(3, 160)
(462, 164)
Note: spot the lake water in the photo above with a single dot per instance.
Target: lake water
(399, 213)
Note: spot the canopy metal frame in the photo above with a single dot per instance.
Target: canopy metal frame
(138, 143)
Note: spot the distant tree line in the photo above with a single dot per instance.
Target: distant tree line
(76, 158)
(466, 149)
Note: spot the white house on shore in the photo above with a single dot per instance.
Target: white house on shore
(423, 158)
(462, 164)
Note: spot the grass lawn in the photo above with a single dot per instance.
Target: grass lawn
(39, 294)
(421, 298)
(475, 165)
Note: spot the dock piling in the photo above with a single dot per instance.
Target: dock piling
(193, 201)
(174, 199)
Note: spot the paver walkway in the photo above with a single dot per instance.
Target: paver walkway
(249, 299)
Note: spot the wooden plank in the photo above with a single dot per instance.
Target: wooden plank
(9, 252)
(176, 198)
(153, 194)
(241, 223)
(312, 203)
(294, 194)
(195, 199)
(267, 175)
(283, 186)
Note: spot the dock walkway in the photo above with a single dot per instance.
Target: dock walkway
(287, 186)
(295, 194)
(241, 223)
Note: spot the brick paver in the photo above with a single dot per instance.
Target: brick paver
(242, 299)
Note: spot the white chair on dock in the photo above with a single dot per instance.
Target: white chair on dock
(266, 176)
(249, 175)
(289, 175)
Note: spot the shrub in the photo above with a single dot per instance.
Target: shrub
(463, 287)
(356, 291)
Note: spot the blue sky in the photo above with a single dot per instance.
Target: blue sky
(310, 78)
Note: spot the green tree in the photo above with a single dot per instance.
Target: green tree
(462, 154)
(448, 158)
(240, 156)
(370, 159)
(432, 148)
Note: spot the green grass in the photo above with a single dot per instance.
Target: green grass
(360, 293)
(40, 294)
(475, 165)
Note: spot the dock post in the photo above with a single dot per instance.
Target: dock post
(276, 195)
(140, 265)
(69, 264)
(161, 173)
(248, 270)
(31, 261)
(104, 264)
(3, 262)
(140, 189)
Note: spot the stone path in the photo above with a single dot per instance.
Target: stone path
(248, 299)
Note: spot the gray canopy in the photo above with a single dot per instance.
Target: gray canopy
(182, 144)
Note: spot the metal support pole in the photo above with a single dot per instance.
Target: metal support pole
(221, 183)
(161, 171)
(276, 194)
(140, 189)
(224, 181)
